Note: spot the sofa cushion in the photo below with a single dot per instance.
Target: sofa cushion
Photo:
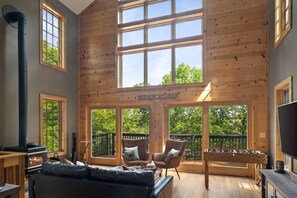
(65, 170)
(142, 178)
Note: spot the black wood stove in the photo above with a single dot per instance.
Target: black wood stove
(36, 154)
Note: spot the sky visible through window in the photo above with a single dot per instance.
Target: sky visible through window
(159, 62)
(50, 25)
(159, 9)
(133, 69)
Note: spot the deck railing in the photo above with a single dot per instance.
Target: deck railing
(104, 144)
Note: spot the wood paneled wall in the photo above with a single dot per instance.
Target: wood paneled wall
(235, 66)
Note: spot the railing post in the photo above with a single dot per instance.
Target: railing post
(113, 144)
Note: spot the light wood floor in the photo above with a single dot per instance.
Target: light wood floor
(191, 185)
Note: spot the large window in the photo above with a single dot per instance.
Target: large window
(283, 19)
(52, 38)
(159, 40)
(53, 123)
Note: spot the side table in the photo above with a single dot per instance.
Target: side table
(10, 191)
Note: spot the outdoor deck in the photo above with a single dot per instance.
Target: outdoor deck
(104, 144)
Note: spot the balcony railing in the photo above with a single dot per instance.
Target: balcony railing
(104, 144)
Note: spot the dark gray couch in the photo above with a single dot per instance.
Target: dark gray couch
(60, 181)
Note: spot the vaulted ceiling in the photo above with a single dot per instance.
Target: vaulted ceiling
(77, 6)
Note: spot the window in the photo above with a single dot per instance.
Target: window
(103, 132)
(52, 38)
(228, 129)
(53, 123)
(134, 123)
(160, 42)
(283, 95)
(283, 19)
(185, 123)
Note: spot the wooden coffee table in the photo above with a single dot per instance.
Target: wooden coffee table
(157, 173)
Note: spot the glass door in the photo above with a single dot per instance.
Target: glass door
(185, 123)
(228, 129)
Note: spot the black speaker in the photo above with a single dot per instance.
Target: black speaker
(73, 153)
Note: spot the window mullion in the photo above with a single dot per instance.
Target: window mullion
(173, 7)
(120, 70)
(145, 68)
(173, 75)
(173, 37)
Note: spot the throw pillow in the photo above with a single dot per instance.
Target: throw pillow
(130, 155)
(172, 153)
(134, 150)
(80, 163)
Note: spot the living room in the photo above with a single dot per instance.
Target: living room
(243, 61)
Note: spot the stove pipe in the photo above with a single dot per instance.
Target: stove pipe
(12, 16)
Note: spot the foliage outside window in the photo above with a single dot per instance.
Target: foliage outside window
(228, 129)
(283, 19)
(135, 121)
(53, 123)
(52, 38)
(103, 130)
(135, 125)
(185, 123)
(158, 39)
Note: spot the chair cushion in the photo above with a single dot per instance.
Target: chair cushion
(172, 153)
(131, 153)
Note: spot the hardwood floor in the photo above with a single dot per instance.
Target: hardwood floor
(191, 185)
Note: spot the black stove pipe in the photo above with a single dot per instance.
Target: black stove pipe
(13, 16)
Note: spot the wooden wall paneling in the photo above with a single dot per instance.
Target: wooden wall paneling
(235, 43)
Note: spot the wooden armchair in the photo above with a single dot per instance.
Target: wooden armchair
(172, 155)
(142, 151)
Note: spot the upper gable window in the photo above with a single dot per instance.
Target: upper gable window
(187, 5)
(283, 20)
(52, 38)
(160, 42)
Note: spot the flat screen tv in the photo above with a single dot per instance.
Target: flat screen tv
(287, 115)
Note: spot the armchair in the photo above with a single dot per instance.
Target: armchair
(141, 158)
(172, 155)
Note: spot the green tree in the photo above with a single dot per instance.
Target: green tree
(50, 54)
(103, 121)
(184, 74)
(185, 120)
(135, 120)
(51, 124)
(228, 119)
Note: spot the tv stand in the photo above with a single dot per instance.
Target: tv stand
(278, 185)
